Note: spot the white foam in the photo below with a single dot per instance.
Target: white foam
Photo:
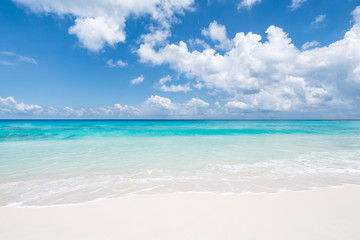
(267, 176)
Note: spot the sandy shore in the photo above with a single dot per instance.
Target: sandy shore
(332, 213)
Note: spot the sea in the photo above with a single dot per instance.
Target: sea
(57, 162)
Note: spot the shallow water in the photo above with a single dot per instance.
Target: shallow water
(60, 162)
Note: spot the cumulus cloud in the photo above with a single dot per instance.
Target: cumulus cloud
(110, 63)
(156, 36)
(102, 22)
(195, 43)
(236, 105)
(309, 45)
(93, 33)
(11, 58)
(272, 75)
(248, 3)
(115, 111)
(118, 110)
(70, 112)
(137, 80)
(319, 21)
(356, 14)
(154, 106)
(164, 106)
(171, 88)
(160, 102)
(175, 88)
(217, 33)
(295, 4)
(11, 107)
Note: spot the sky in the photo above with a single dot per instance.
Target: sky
(214, 59)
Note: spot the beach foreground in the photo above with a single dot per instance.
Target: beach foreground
(328, 213)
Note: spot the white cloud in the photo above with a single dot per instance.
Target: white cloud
(117, 110)
(217, 33)
(118, 63)
(93, 33)
(102, 22)
(195, 106)
(248, 3)
(295, 4)
(153, 106)
(125, 108)
(11, 58)
(198, 43)
(161, 102)
(137, 80)
(70, 112)
(156, 36)
(319, 21)
(197, 103)
(161, 106)
(309, 45)
(11, 107)
(172, 88)
(164, 106)
(356, 14)
(236, 105)
(175, 88)
(165, 79)
(273, 75)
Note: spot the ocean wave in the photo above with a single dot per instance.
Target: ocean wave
(259, 177)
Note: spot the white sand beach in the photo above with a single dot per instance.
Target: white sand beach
(328, 213)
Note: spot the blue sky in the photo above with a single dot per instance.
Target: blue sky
(179, 59)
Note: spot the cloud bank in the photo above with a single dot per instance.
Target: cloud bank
(153, 107)
(271, 75)
(246, 72)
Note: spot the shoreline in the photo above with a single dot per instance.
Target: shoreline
(130, 195)
(323, 213)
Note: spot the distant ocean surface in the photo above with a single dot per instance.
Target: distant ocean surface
(47, 162)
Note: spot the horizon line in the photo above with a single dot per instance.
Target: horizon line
(175, 119)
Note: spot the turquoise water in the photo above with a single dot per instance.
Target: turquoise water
(60, 162)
